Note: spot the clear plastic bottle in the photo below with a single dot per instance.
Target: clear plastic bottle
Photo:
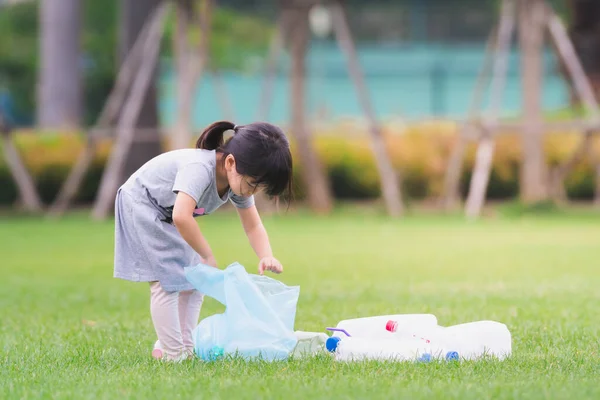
(360, 349)
(480, 338)
(434, 338)
(309, 343)
(426, 334)
(370, 327)
(470, 341)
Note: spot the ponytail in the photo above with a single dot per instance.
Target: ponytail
(212, 137)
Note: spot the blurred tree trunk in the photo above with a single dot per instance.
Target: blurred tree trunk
(181, 135)
(133, 16)
(190, 62)
(25, 184)
(313, 174)
(584, 30)
(533, 179)
(59, 95)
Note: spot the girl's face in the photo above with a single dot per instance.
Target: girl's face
(241, 185)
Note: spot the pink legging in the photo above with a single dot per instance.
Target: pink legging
(175, 315)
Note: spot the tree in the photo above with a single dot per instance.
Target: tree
(584, 29)
(59, 73)
(534, 172)
(132, 18)
(315, 180)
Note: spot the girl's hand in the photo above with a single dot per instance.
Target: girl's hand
(269, 264)
(211, 261)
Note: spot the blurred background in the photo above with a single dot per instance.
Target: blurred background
(420, 59)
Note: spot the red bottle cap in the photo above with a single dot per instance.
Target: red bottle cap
(391, 326)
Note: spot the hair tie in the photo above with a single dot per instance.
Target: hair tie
(235, 127)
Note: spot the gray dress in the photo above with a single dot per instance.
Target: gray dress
(148, 247)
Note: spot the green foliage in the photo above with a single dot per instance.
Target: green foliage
(419, 157)
(19, 47)
(99, 43)
(49, 158)
(18, 56)
(234, 39)
(8, 194)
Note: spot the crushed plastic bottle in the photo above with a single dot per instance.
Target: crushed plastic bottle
(361, 349)
(309, 343)
(465, 341)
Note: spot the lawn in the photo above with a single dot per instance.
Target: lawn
(69, 330)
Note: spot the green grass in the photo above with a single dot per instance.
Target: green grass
(69, 330)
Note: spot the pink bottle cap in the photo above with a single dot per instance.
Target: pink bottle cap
(391, 326)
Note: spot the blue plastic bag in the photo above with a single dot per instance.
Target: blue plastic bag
(258, 320)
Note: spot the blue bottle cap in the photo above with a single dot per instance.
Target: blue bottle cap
(332, 343)
(215, 353)
(452, 356)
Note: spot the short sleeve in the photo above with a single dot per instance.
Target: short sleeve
(242, 202)
(192, 179)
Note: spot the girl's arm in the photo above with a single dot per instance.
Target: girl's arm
(188, 228)
(259, 240)
(256, 232)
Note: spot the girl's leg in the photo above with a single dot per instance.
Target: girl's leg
(190, 304)
(165, 316)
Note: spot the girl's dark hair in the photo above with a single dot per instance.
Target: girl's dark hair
(261, 151)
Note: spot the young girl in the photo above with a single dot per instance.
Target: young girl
(156, 235)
